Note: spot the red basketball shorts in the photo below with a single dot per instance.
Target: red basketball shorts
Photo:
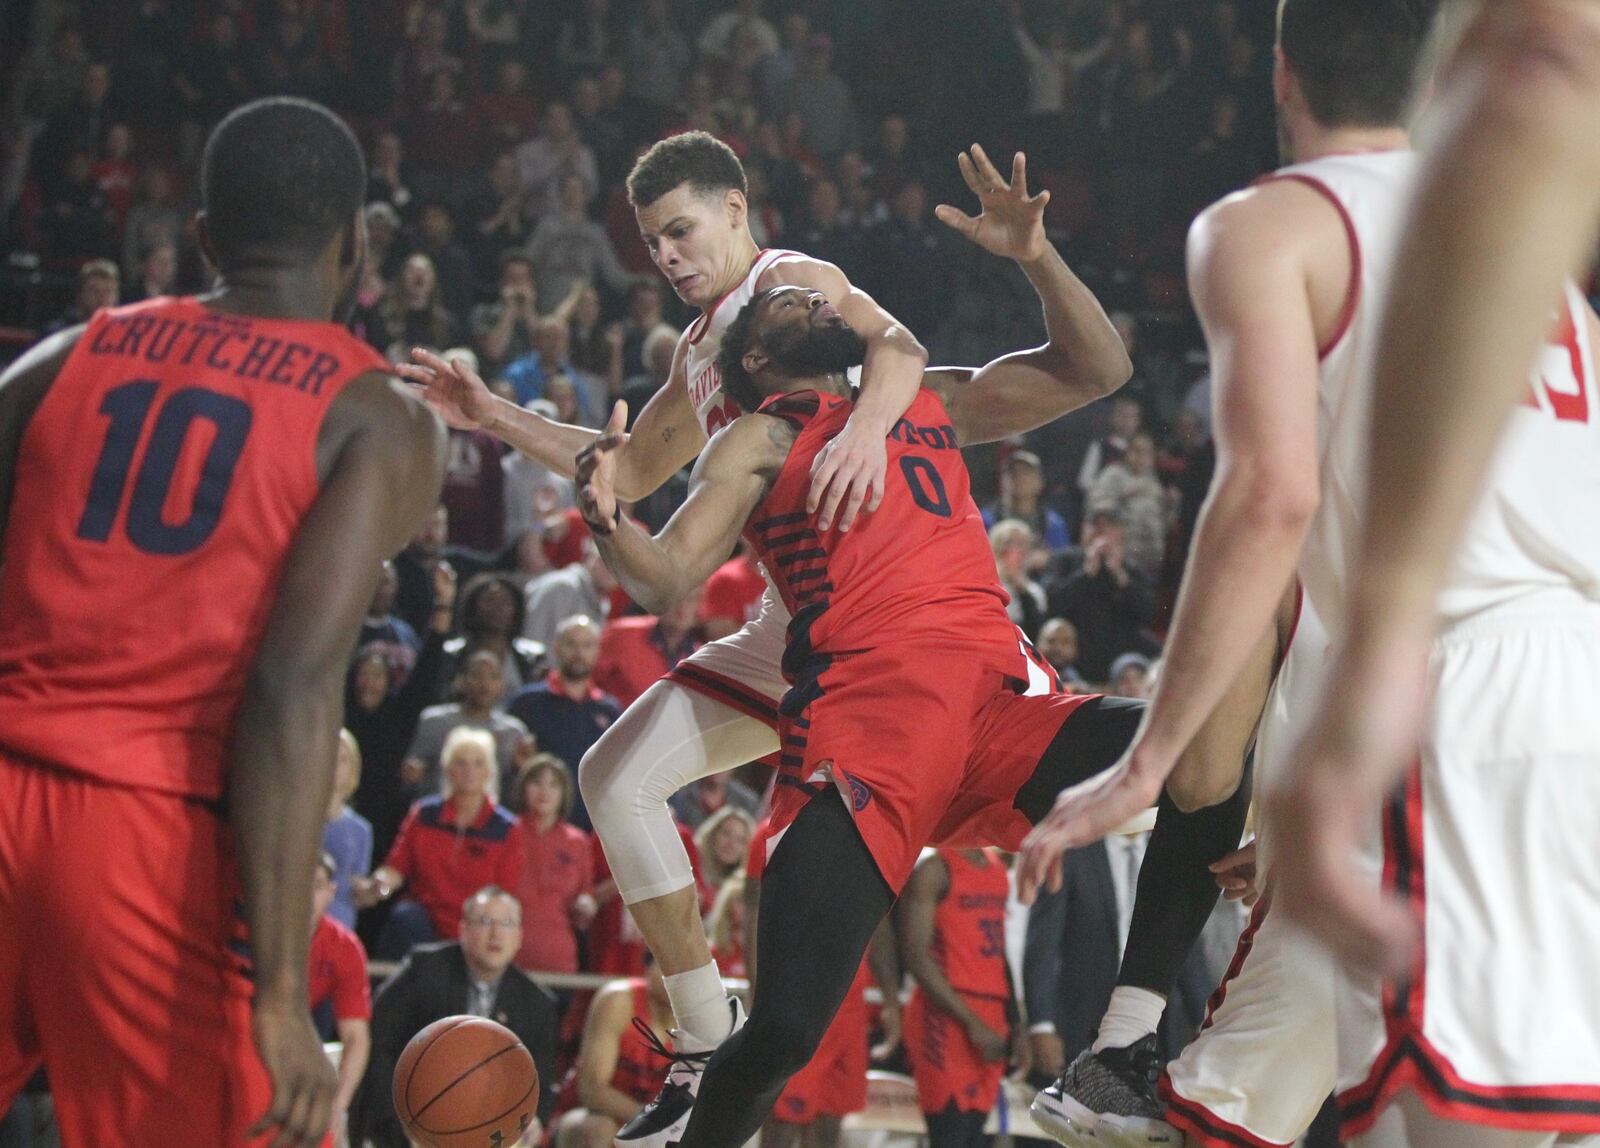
(121, 966)
(927, 751)
(947, 1068)
(834, 1081)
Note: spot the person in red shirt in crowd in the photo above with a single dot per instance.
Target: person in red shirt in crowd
(732, 595)
(635, 652)
(338, 979)
(619, 1068)
(557, 890)
(448, 847)
(951, 921)
(615, 944)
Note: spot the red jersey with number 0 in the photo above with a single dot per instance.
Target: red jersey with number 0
(159, 488)
(918, 569)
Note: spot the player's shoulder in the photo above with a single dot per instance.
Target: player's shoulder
(392, 415)
(1273, 215)
(755, 440)
(796, 269)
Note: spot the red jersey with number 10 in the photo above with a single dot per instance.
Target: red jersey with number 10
(918, 569)
(159, 488)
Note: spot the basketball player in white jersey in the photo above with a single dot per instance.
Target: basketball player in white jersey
(1283, 278)
(715, 711)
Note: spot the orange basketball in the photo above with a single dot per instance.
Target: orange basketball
(466, 1082)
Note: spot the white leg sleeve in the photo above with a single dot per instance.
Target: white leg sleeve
(671, 736)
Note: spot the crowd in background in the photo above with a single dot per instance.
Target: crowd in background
(498, 135)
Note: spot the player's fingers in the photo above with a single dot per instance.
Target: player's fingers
(969, 173)
(431, 361)
(619, 418)
(1019, 175)
(411, 372)
(1245, 854)
(822, 471)
(828, 508)
(956, 219)
(987, 171)
(1042, 199)
(875, 493)
(858, 490)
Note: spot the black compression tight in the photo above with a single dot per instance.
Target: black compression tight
(954, 1128)
(822, 898)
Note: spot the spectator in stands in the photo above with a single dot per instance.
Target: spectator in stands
(534, 492)
(732, 595)
(153, 221)
(474, 481)
(45, 82)
(557, 151)
(115, 174)
(1058, 643)
(428, 52)
(1109, 601)
(656, 55)
(415, 567)
(443, 137)
(386, 629)
(158, 274)
(566, 712)
(99, 285)
(582, 588)
(659, 348)
(909, 261)
(1022, 497)
(557, 889)
(821, 100)
(502, 331)
(1131, 488)
(347, 837)
(950, 924)
(638, 650)
(497, 29)
(491, 618)
(585, 39)
(530, 375)
(436, 231)
(775, 72)
(213, 78)
(506, 115)
(78, 222)
(340, 993)
(644, 317)
(824, 234)
(568, 248)
(1131, 677)
(618, 1070)
(288, 63)
(1013, 542)
(480, 686)
(474, 976)
(725, 928)
(705, 797)
(739, 38)
(413, 313)
(381, 709)
(723, 840)
(1126, 418)
(76, 127)
(448, 846)
(591, 341)
(387, 178)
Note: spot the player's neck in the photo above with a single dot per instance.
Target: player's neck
(741, 259)
(1311, 141)
(273, 293)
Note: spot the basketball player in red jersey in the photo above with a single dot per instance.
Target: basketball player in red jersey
(951, 924)
(915, 713)
(718, 708)
(195, 497)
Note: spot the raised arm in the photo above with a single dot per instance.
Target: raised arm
(848, 472)
(664, 440)
(1084, 358)
(730, 479)
(381, 455)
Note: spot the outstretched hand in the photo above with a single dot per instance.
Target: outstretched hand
(1010, 222)
(596, 472)
(1082, 815)
(456, 393)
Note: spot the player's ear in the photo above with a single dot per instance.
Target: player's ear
(754, 361)
(736, 206)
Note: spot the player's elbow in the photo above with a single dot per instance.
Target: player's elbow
(1277, 497)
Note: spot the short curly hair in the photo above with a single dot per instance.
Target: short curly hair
(698, 159)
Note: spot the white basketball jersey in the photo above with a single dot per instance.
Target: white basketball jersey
(1536, 529)
(714, 409)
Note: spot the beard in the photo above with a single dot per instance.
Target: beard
(825, 349)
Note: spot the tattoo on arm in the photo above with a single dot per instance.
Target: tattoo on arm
(781, 433)
(667, 433)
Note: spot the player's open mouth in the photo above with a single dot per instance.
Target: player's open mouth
(683, 284)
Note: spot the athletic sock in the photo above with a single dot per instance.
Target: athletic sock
(700, 1004)
(1132, 1013)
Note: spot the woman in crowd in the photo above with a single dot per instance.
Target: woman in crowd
(723, 840)
(557, 889)
(1013, 542)
(1133, 489)
(448, 847)
(411, 314)
(492, 609)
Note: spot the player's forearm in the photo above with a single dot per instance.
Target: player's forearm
(279, 781)
(936, 986)
(357, 1049)
(555, 445)
(1079, 330)
(1245, 547)
(891, 376)
(652, 576)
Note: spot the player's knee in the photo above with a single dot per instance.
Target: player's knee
(1193, 789)
(783, 1042)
